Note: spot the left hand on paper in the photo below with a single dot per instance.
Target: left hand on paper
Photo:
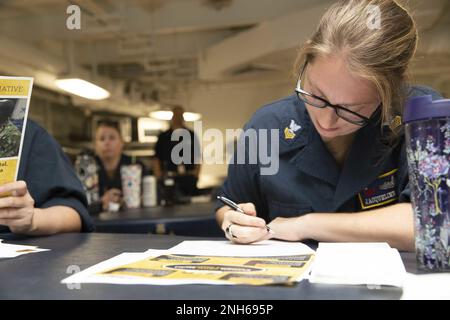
(17, 207)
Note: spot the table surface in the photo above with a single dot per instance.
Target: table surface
(193, 210)
(196, 219)
(38, 275)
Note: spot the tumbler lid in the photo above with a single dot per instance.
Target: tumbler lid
(423, 107)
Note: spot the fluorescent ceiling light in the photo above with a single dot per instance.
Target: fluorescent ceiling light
(191, 116)
(161, 115)
(167, 115)
(82, 88)
(152, 124)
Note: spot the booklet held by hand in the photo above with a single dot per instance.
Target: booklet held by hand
(15, 94)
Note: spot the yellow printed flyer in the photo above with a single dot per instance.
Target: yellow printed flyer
(268, 262)
(15, 94)
(280, 270)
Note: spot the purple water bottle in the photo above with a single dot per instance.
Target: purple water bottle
(428, 152)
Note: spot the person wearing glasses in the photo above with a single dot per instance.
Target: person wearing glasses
(342, 173)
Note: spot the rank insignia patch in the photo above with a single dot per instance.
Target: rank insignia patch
(289, 133)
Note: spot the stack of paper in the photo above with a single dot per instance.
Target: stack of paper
(358, 264)
(14, 250)
(205, 262)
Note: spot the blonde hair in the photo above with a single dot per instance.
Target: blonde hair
(380, 55)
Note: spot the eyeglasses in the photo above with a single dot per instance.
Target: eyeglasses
(318, 102)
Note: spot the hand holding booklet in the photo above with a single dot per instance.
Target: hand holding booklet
(15, 96)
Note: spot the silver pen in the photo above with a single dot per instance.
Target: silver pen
(235, 207)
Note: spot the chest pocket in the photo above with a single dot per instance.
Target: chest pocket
(288, 210)
(381, 192)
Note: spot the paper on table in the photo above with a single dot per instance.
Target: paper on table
(93, 274)
(434, 286)
(90, 275)
(267, 248)
(356, 264)
(14, 250)
(188, 264)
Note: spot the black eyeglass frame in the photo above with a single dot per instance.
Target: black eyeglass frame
(299, 91)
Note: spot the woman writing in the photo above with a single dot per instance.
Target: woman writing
(342, 167)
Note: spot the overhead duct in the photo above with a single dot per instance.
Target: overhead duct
(287, 32)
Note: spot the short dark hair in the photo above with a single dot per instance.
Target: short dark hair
(109, 124)
(177, 107)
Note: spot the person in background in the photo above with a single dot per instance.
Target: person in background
(186, 174)
(108, 149)
(48, 198)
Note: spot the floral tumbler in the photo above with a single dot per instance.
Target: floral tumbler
(427, 125)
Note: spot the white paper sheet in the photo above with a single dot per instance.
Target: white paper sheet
(434, 286)
(357, 264)
(268, 248)
(13, 250)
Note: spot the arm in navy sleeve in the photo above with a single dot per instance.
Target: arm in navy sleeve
(243, 185)
(49, 175)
